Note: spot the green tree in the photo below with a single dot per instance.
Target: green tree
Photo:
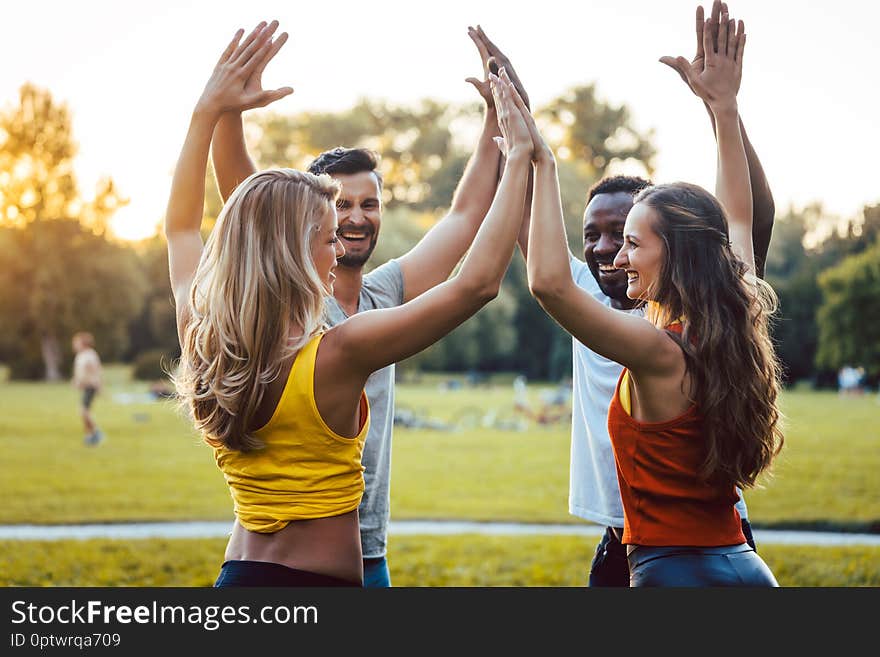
(58, 271)
(415, 144)
(58, 277)
(794, 272)
(849, 317)
(154, 328)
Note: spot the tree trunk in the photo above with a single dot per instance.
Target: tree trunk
(51, 357)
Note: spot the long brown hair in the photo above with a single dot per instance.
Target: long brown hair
(255, 283)
(726, 335)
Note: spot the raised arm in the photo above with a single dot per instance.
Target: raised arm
(371, 340)
(763, 205)
(717, 85)
(225, 91)
(229, 154)
(432, 260)
(619, 336)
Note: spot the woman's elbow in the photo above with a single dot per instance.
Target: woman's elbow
(479, 292)
(544, 288)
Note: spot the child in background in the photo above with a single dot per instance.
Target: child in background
(87, 378)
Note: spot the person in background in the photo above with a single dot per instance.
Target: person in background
(87, 378)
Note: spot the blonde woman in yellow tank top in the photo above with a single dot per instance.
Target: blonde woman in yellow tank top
(277, 395)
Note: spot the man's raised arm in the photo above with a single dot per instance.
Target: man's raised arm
(432, 260)
(763, 206)
(229, 154)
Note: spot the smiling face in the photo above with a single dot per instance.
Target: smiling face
(360, 215)
(604, 219)
(641, 258)
(326, 249)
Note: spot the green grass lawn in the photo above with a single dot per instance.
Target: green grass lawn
(467, 560)
(154, 467)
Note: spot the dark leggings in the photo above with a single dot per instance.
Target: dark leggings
(610, 566)
(729, 565)
(264, 573)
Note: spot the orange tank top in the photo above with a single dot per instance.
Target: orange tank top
(665, 503)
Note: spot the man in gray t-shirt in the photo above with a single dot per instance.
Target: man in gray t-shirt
(381, 288)
(428, 263)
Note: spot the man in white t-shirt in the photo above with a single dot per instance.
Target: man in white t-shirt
(594, 494)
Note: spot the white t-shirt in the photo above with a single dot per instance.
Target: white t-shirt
(593, 490)
(87, 369)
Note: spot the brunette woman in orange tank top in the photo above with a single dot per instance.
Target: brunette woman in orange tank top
(695, 413)
(251, 299)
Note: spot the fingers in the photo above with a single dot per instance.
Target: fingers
(481, 47)
(681, 66)
(708, 45)
(731, 38)
(231, 47)
(248, 40)
(524, 113)
(268, 97)
(483, 89)
(513, 92)
(678, 64)
(740, 43)
(497, 87)
(701, 21)
(722, 35)
(263, 98)
(250, 56)
(270, 52)
(493, 49)
(713, 25)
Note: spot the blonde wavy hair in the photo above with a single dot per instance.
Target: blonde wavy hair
(254, 285)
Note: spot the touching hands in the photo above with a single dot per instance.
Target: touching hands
(236, 83)
(715, 72)
(538, 148)
(515, 137)
(493, 61)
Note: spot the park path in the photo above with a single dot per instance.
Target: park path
(207, 529)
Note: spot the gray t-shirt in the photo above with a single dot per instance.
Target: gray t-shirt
(381, 288)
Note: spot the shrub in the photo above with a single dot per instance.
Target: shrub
(151, 365)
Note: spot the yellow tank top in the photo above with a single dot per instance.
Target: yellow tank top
(305, 470)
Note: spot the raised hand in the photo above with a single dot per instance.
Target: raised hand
(493, 61)
(254, 84)
(716, 72)
(690, 69)
(515, 136)
(235, 84)
(694, 67)
(541, 151)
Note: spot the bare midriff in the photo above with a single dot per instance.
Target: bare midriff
(329, 546)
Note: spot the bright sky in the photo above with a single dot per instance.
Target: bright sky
(131, 73)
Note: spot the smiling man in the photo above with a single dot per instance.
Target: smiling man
(594, 493)
(428, 263)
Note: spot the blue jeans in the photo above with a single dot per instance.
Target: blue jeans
(610, 566)
(376, 575)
